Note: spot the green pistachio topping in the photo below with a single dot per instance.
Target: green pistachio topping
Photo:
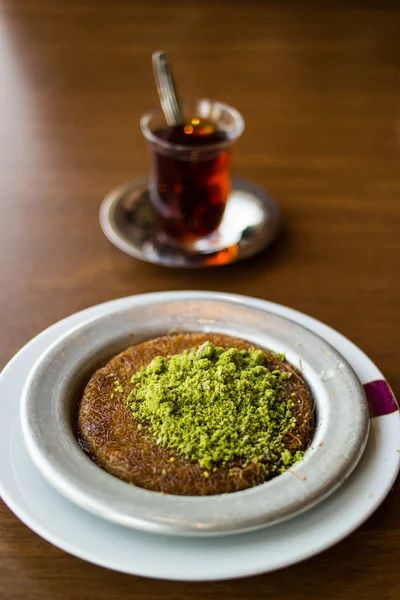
(118, 387)
(214, 406)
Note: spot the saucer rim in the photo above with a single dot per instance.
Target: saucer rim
(108, 224)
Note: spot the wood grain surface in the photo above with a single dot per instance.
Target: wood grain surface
(319, 89)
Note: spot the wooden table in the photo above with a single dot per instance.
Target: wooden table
(319, 89)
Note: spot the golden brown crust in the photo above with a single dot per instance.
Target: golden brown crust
(108, 431)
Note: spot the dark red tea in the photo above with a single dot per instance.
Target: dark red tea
(190, 188)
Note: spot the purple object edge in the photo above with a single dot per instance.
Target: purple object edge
(380, 397)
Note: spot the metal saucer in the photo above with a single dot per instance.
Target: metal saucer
(56, 382)
(251, 221)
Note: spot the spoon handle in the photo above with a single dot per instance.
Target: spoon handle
(166, 89)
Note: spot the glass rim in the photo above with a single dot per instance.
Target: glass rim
(149, 135)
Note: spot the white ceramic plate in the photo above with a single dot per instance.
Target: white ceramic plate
(98, 541)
